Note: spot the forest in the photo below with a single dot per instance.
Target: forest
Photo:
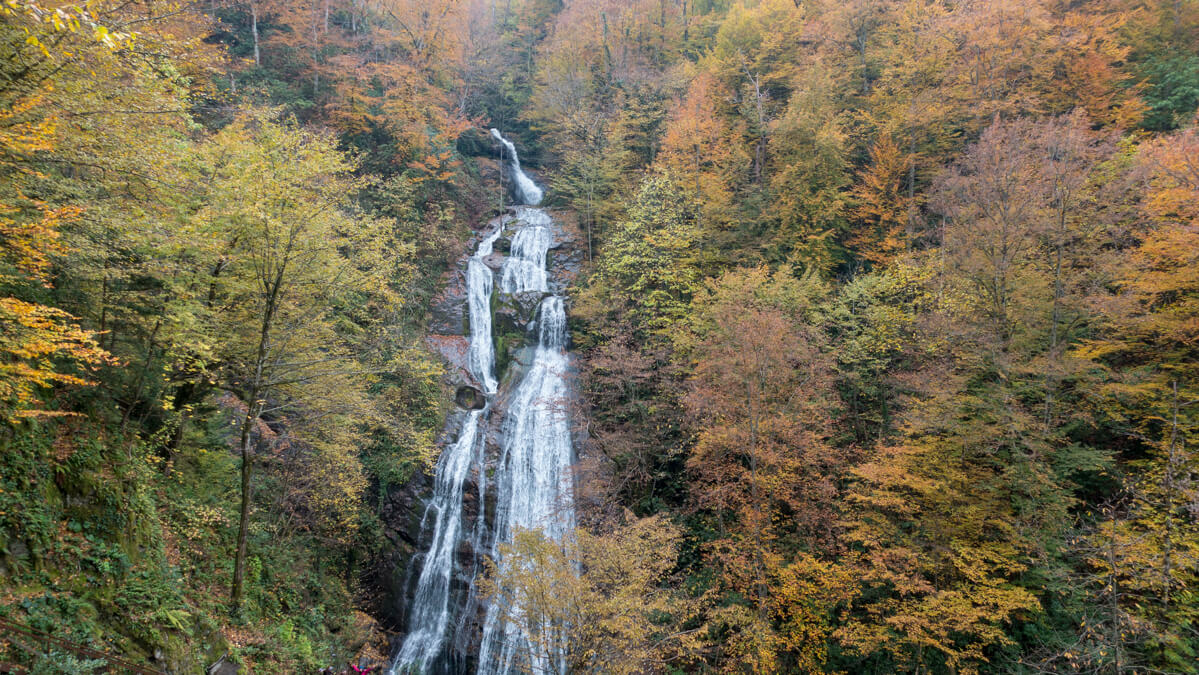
(882, 321)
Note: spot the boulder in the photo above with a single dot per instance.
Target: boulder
(223, 666)
(495, 261)
(515, 312)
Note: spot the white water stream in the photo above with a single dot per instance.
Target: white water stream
(533, 477)
(526, 190)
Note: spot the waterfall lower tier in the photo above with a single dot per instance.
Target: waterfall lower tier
(430, 605)
(536, 487)
(531, 477)
(430, 614)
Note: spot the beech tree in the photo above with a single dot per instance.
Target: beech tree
(1148, 394)
(699, 150)
(763, 471)
(881, 205)
(650, 258)
(292, 247)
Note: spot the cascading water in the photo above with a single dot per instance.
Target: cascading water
(479, 282)
(430, 613)
(533, 477)
(524, 270)
(535, 486)
(527, 191)
(431, 603)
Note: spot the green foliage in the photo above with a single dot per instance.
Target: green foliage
(62, 663)
(132, 256)
(1172, 91)
(649, 261)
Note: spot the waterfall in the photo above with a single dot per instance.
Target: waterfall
(533, 476)
(527, 191)
(431, 603)
(479, 282)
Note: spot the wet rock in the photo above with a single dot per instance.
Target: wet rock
(565, 260)
(514, 313)
(224, 667)
(470, 398)
(455, 350)
(17, 549)
(495, 262)
(565, 267)
(366, 639)
(400, 513)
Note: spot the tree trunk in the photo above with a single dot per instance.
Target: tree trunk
(1114, 602)
(254, 32)
(257, 391)
(243, 528)
(1173, 464)
(1058, 292)
(910, 228)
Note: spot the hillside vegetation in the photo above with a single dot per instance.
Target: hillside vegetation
(887, 339)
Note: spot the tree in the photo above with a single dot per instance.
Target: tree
(809, 177)
(1147, 353)
(757, 54)
(597, 600)
(51, 53)
(589, 178)
(762, 469)
(37, 339)
(1070, 152)
(991, 200)
(278, 200)
(699, 150)
(881, 205)
(649, 261)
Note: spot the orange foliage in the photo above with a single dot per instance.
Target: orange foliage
(34, 338)
(882, 207)
(700, 151)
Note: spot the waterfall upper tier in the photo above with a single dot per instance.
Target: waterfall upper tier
(525, 190)
(479, 283)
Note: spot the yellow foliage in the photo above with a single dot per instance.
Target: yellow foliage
(597, 598)
(33, 340)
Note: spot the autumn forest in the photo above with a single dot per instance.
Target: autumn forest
(599, 336)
